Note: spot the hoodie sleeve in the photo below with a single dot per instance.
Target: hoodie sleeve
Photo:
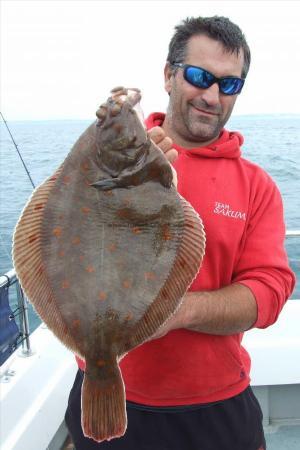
(263, 263)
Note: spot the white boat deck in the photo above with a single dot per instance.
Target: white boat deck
(34, 396)
(275, 377)
(34, 390)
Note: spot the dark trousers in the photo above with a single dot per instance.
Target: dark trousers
(233, 424)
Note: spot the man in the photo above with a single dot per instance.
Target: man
(189, 387)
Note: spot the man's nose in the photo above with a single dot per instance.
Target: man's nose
(211, 95)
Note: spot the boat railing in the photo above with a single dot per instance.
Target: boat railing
(292, 233)
(21, 311)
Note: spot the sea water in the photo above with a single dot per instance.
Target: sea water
(271, 141)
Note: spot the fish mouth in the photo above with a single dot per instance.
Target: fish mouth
(121, 95)
(131, 95)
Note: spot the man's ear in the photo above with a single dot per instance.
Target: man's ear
(168, 77)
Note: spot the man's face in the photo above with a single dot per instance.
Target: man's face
(195, 115)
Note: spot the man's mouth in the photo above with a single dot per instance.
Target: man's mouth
(204, 111)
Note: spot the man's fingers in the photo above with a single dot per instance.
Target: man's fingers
(165, 143)
(171, 155)
(156, 134)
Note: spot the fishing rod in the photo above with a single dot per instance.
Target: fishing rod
(19, 153)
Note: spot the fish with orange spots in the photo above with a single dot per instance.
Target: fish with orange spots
(105, 250)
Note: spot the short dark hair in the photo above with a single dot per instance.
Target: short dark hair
(219, 28)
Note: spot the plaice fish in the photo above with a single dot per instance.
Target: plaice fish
(105, 250)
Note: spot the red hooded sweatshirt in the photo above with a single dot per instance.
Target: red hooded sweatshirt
(242, 212)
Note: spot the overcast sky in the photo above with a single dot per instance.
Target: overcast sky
(59, 59)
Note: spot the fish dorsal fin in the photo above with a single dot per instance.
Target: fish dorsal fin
(28, 263)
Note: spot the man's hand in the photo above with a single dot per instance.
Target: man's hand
(158, 136)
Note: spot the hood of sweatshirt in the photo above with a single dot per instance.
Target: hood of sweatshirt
(227, 145)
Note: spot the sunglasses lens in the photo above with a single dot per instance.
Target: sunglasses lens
(202, 79)
(198, 77)
(231, 86)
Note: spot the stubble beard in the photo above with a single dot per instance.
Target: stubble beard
(203, 129)
(188, 127)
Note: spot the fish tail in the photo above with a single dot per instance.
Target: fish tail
(103, 404)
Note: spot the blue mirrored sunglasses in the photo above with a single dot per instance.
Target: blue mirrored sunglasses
(203, 79)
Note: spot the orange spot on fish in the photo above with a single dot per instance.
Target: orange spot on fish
(149, 276)
(65, 284)
(84, 166)
(85, 210)
(76, 323)
(136, 230)
(57, 232)
(100, 362)
(123, 213)
(127, 284)
(32, 238)
(66, 179)
(108, 192)
(90, 269)
(81, 258)
(102, 296)
(61, 253)
(166, 232)
(112, 247)
(53, 178)
(128, 317)
(39, 206)
(76, 240)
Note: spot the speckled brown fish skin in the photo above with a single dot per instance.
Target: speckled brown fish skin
(115, 248)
